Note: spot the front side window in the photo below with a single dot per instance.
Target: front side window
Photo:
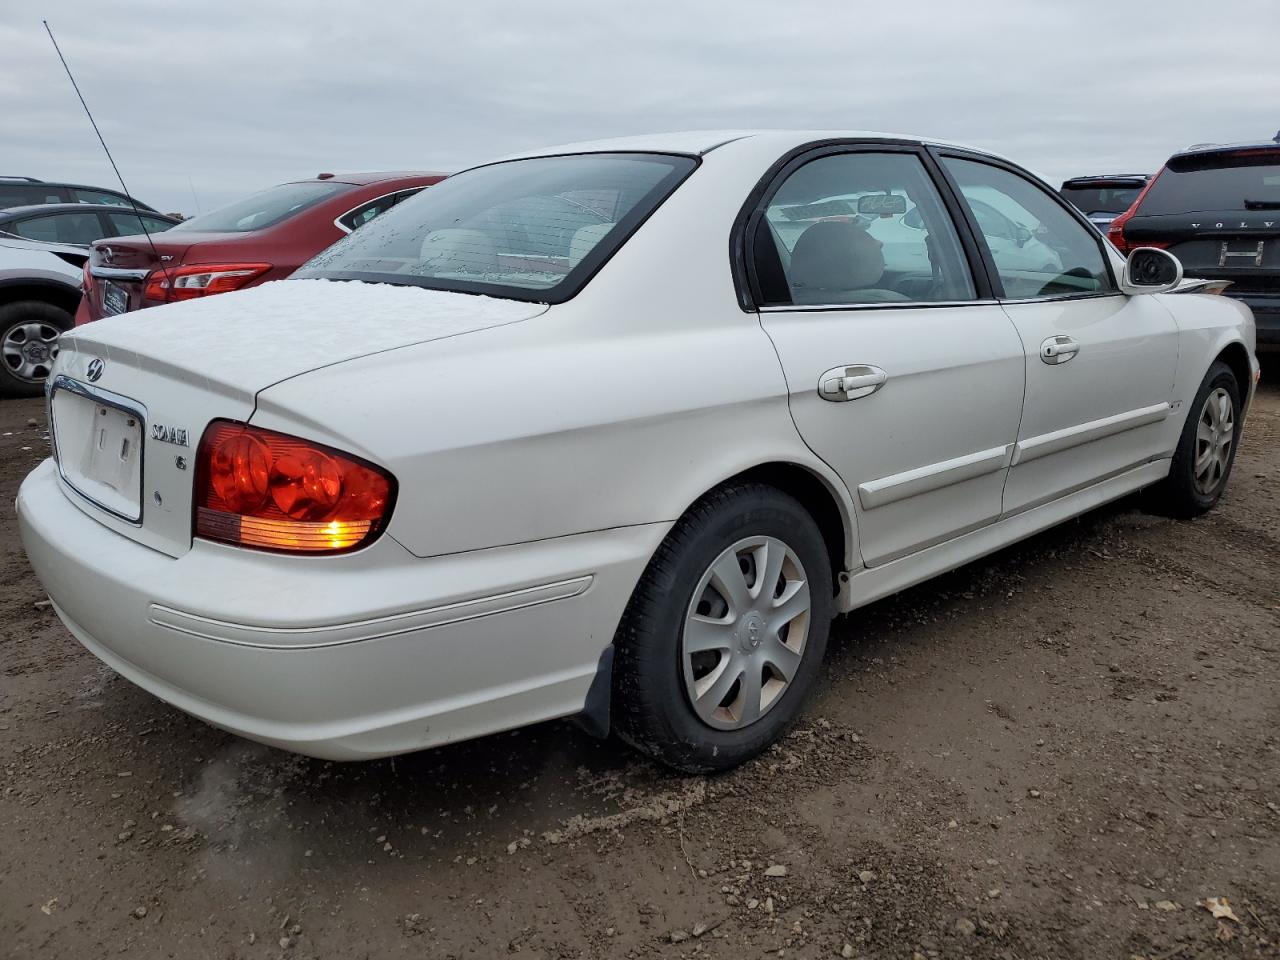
(1039, 249)
(73, 228)
(129, 224)
(859, 228)
(531, 229)
(264, 209)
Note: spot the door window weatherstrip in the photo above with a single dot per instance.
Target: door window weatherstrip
(905, 305)
(1047, 444)
(933, 476)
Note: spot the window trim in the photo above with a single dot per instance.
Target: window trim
(746, 224)
(970, 221)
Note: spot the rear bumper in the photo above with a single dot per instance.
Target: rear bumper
(368, 654)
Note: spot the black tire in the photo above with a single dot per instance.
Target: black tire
(1178, 494)
(651, 708)
(14, 316)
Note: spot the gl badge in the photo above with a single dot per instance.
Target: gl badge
(174, 435)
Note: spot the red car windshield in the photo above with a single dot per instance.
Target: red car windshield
(264, 209)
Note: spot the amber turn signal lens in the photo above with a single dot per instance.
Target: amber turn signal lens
(259, 488)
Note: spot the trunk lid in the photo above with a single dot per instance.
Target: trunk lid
(172, 369)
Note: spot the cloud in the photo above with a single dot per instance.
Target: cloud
(241, 95)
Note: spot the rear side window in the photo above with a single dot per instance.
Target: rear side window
(533, 229)
(128, 224)
(264, 209)
(99, 196)
(1039, 248)
(1246, 180)
(860, 228)
(366, 212)
(75, 228)
(27, 194)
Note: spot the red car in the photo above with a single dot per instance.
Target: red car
(264, 237)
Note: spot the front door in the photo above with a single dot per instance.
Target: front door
(1099, 364)
(901, 376)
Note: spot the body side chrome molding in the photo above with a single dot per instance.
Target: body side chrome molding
(1033, 448)
(118, 273)
(933, 476)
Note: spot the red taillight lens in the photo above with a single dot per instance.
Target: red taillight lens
(168, 284)
(1115, 232)
(259, 488)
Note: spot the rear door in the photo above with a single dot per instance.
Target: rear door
(903, 374)
(1099, 364)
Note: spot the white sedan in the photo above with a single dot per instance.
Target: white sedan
(573, 434)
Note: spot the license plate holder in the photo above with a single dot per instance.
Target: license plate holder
(99, 447)
(115, 299)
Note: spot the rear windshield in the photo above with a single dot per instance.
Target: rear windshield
(264, 209)
(1101, 199)
(532, 229)
(1248, 180)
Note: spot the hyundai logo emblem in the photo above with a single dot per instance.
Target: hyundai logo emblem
(95, 369)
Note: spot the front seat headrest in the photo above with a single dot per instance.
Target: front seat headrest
(836, 255)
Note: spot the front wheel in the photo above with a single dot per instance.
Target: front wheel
(725, 633)
(1207, 447)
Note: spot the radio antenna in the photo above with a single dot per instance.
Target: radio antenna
(132, 202)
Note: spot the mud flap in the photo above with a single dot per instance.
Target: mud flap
(594, 718)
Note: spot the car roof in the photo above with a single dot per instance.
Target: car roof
(45, 209)
(363, 179)
(699, 142)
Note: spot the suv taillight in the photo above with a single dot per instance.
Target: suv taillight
(259, 488)
(1115, 232)
(169, 284)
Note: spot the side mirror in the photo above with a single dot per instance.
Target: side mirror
(1150, 270)
(1021, 234)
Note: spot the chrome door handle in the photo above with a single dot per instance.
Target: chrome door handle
(849, 383)
(1058, 349)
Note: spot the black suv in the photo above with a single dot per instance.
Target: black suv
(1216, 207)
(28, 191)
(1104, 198)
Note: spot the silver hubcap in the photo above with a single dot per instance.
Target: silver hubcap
(745, 632)
(1215, 432)
(29, 348)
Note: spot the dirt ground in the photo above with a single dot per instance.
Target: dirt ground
(1059, 751)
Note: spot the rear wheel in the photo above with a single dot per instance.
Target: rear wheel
(1207, 447)
(725, 633)
(29, 331)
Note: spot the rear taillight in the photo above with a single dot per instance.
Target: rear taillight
(168, 284)
(1115, 232)
(259, 488)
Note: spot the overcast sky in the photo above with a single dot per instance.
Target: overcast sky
(235, 96)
